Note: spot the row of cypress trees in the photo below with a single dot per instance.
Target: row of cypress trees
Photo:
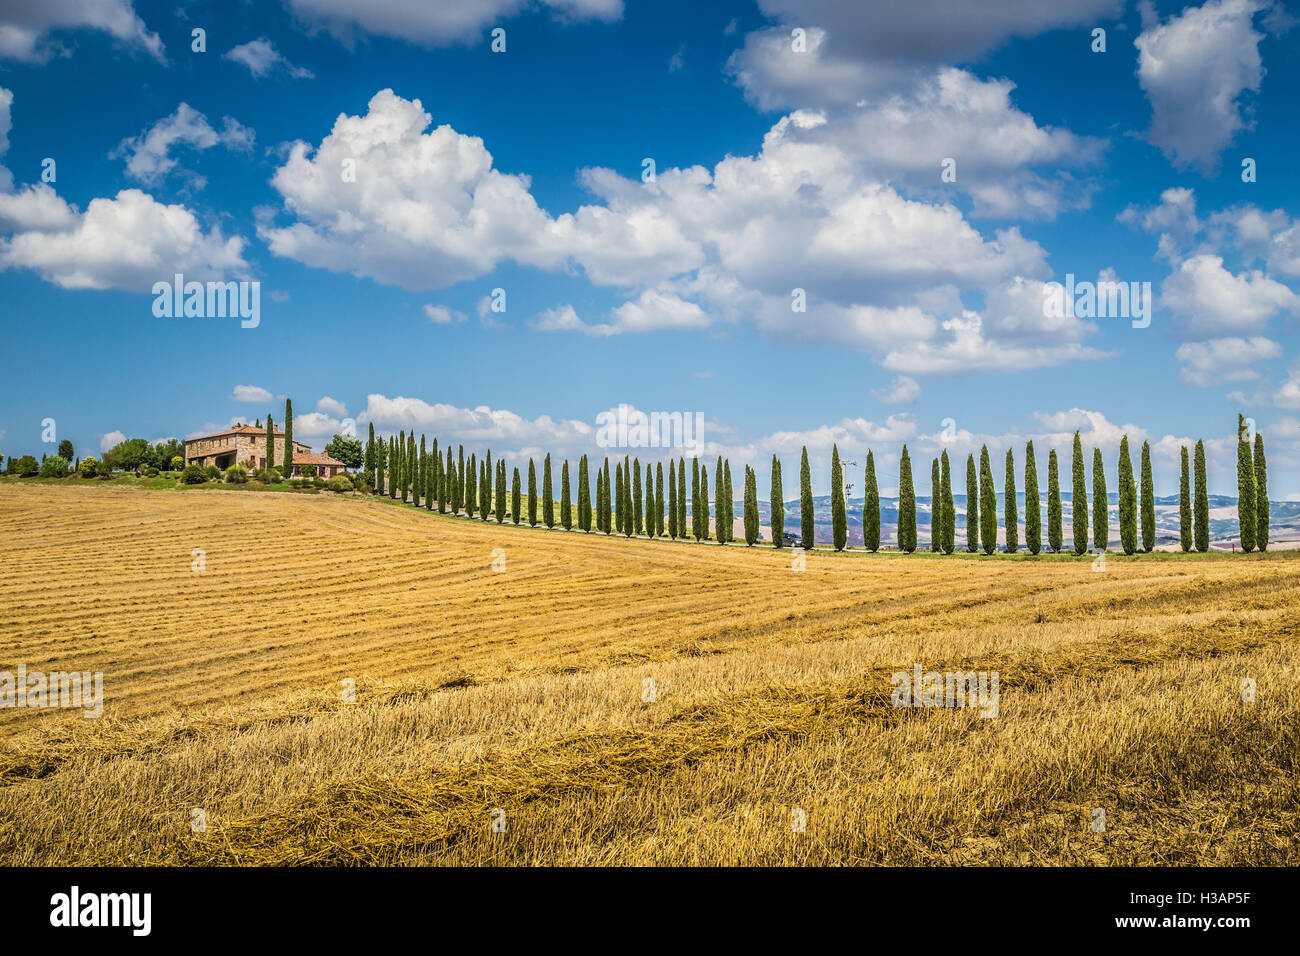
(633, 500)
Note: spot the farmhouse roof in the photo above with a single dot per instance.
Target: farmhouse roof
(314, 458)
(237, 430)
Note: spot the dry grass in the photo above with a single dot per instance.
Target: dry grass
(523, 690)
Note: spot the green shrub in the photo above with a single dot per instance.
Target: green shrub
(213, 472)
(88, 467)
(151, 472)
(340, 483)
(307, 471)
(25, 467)
(318, 482)
(177, 463)
(194, 475)
(56, 466)
(236, 475)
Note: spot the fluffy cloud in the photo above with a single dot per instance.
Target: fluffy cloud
(109, 440)
(250, 393)
(1288, 395)
(436, 24)
(504, 431)
(128, 242)
(6, 123)
(441, 315)
(262, 58)
(1194, 69)
(332, 406)
(849, 55)
(954, 114)
(901, 391)
(148, 158)
(425, 210)
(1224, 360)
(25, 28)
(1206, 297)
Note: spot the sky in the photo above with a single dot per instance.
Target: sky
(812, 223)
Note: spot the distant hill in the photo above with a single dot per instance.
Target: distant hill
(1284, 520)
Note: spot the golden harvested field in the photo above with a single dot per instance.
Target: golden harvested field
(523, 690)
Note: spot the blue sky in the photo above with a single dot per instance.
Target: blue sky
(777, 168)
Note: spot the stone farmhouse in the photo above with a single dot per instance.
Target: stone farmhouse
(245, 445)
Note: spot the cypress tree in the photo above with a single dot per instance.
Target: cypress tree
(750, 508)
(1079, 499)
(948, 537)
(719, 502)
(423, 461)
(449, 485)
(659, 498)
(1010, 511)
(1261, 494)
(988, 504)
(906, 505)
(532, 494)
(1184, 503)
(381, 464)
(1201, 511)
(728, 500)
(460, 477)
(620, 489)
(871, 506)
(637, 526)
(1033, 509)
(1148, 501)
(370, 450)
(1100, 504)
(548, 494)
(397, 475)
(972, 507)
(394, 467)
(473, 478)
(600, 508)
(681, 497)
(806, 528)
(516, 495)
(1127, 500)
(433, 496)
(584, 496)
(499, 504)
(936, 508)
(1246, 521)
(412, 462)
(776, 518)
(485, 487)
(1053, 503)
(703, 534)
(695, 498)
(627, 499)
(605, 500)
(839, 518)
(672, 499)
(288, 438)
(566, 507)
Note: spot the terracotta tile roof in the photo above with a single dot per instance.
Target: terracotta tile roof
(237, 430)
(312, 458)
